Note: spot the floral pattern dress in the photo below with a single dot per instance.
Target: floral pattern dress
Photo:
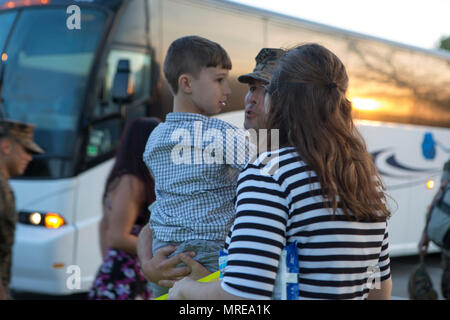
(120, 276)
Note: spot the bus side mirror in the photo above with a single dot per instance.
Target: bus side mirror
(123, 85)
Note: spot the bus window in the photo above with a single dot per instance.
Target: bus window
(47, 68)
(45, 80)
(392, 84)
(104, 134)
(103, 140)
(140, 69)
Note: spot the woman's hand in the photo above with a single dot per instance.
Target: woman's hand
(188, 289)
(179, 289)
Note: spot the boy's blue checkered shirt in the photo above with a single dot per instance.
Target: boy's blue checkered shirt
(195, 177)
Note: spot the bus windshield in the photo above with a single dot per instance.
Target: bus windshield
(44, 75)
(6, 21)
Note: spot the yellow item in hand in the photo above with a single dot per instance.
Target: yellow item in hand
(209, 278)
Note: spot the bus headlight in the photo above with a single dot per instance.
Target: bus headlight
(430, 184)
(35, 218)
(49, 220)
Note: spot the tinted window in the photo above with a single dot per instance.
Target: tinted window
(104, 135)
(45, 81)
(140, 71)
(6, 20)
(398, 85)
(46, 72)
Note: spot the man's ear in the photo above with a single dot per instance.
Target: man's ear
(184, 83)
(5, 146)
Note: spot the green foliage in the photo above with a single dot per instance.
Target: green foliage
(444, 43)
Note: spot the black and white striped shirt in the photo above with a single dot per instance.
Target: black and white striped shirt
(279, 202)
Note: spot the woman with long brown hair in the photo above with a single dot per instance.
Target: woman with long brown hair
(319, 189)
(129, 190)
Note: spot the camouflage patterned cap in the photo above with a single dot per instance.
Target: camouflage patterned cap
(22, 133)
(266, 61)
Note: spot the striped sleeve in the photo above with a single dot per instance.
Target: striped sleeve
(257, 236)
(384, 260)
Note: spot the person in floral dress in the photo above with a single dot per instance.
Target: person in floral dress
(129, 190)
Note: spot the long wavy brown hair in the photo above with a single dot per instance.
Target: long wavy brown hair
(129, 157)
(308, 105)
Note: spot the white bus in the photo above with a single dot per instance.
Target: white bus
(64, 76)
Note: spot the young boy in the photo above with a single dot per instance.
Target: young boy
(195, 184)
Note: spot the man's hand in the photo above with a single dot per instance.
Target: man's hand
(196, 269)
(162, 270)
(423, 244)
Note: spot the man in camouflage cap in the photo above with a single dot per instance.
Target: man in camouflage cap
(16, 150)
(266, 61)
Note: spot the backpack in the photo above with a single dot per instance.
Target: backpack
(438, 228)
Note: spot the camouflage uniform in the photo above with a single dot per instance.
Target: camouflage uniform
(21, 133)
(445, 280)
(8, 219)
(420, 285)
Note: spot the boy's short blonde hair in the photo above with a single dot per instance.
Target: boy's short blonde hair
(189, 55)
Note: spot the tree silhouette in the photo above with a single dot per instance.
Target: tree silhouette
(427, 86)
(444, 43)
